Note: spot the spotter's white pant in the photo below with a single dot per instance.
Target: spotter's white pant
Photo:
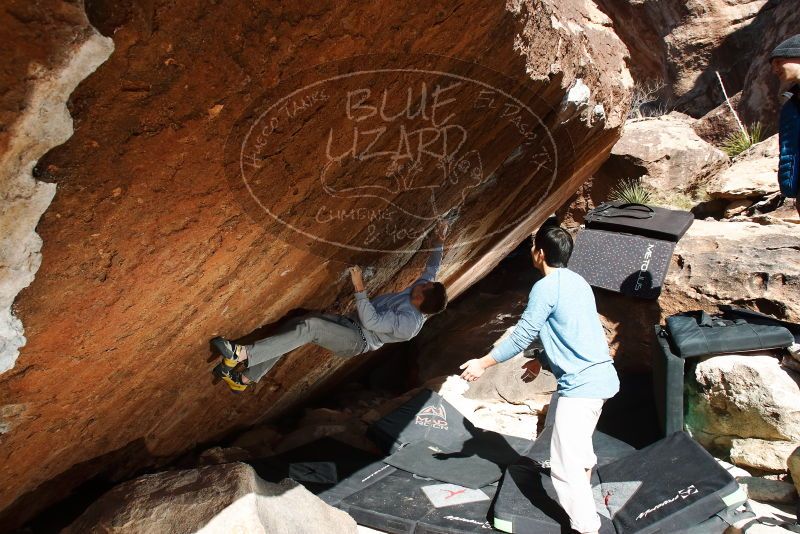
(570, 424)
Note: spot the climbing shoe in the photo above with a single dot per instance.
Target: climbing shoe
(232, 354)
(234, 381)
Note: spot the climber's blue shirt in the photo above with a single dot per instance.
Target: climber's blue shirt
(562, 313)
(789, 141)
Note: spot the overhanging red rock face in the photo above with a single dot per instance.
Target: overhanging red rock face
(157, 240)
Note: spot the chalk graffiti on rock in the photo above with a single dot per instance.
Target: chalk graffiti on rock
(385, 152)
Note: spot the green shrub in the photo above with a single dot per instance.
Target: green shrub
(631, 191)
(739, 141)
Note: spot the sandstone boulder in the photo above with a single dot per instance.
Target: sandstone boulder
(790, 363)
(752, 174)
(309, 433)
(665, 154)
(767, 490)
(217, 499)
(718, 124)
(514, 419)
(760, 90)
(260, 440)
(508, 382)
(223, 455)
(745, 396)
(736, 207)
(685, 43)
(153, 245)
(761, 454)
(673, 157)
(740, 263)
(786, 212)
(794, 467)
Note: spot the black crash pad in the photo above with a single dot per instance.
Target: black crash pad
(670, 486)
(457, 467)
(328, 468)
(405, 503)
(430, 437)
(606, 448)
(639, 219)
(696, 333)
(629, 264)
(527, 502)
(429, 417)
(679, 485)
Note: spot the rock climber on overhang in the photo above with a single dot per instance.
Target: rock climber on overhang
(388, 318)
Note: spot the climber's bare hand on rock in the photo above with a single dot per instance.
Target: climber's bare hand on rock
(357, 277)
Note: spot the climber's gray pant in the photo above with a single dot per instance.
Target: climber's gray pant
(336, 333)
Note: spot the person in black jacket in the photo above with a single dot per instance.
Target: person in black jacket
(785, 60)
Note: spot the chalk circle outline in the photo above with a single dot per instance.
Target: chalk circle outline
(505, 94)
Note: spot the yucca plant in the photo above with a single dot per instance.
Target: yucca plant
(630, 191)
(741, 140)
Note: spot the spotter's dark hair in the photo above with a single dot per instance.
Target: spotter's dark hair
(556, 243)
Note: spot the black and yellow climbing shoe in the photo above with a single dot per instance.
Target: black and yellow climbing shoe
(234, 380)
(231, 376)
(232, 354)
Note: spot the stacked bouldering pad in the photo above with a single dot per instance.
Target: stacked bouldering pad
(691, 335)
(440, 474)
(627, 248)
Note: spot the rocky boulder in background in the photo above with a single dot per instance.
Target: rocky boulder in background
(770, 456)
(747, 255)
(760, 100)
(741, 263)
(752, 174)
(684, 43)
(521, 418)
(664, 154)
(212, 500)
(718, 124)
(747, 406)
(673, 159)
